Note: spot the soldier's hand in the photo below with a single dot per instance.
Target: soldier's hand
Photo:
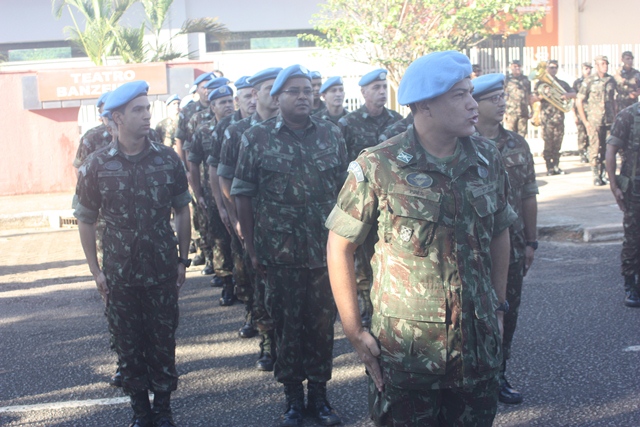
(589, 128)
(529, 253)
(101, 284)
(224, 217)
(619, 196)
(182, 272)
(202, 203)
(368, 351)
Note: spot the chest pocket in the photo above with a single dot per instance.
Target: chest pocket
(515, 163)
(484, 200)
(115, 190)
(327, 161)
(276, 169)
(160, 181)
(413, 220)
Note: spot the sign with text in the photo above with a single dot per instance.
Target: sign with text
(86, 83)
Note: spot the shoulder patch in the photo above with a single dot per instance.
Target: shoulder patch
(356, 170)
(483, 158)
(404, 157)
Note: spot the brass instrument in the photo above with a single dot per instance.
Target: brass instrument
(550, 90)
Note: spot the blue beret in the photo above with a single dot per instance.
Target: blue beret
(487, 83)
(220, 92)
(432, 75)
(202, 77)
(171, 99)
(264, 75)
(214, 83)
(379, 74)
(242, 83)
(331, 81)
(123, 95)
(102, 99)
(316, 75)
(288, 73)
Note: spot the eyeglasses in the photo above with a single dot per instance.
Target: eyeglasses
(296, 92)
(495, 98)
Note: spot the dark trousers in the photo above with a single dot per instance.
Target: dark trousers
(514, 292)
(630, 255)
(598, 145)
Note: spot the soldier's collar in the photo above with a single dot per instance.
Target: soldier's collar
(280, 123)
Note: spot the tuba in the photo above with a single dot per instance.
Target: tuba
(550, 90)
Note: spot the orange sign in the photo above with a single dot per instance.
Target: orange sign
(86, 83)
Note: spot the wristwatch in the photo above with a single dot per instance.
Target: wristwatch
(185, 262)
(533, 244)
(503, 307)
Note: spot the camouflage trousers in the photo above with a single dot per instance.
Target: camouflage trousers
(200, 227)
(514, 292)
(300, 302)
(583, 138)
(261, 317)
(516, 124)
(241, 276)
(217, 238)
(396, 407)
(143, 322)
(552, 134)
(630, 254)
(598, 145)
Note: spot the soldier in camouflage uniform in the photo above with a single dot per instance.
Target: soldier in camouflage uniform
(519, 100)
(397, 128)
(290, 167)
(95, 138)
(628, 82)
(225, 160)
(489, 94)
(625, 136)
(361, 129)
(437, 197)
(316, 84)
(552, 121)
(135, 183)
(166, 128)
(333, 93)
(215, 233)
(583, 139)
(597, 108)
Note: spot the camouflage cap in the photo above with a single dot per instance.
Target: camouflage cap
(517, 62)
(601, 58)
(587, 64)
(627, 53)
(552, 61)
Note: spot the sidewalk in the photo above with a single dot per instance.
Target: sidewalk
(569, 206)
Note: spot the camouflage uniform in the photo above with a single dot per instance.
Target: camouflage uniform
(135, 195)
(434, 304)
(397, 128)
(627, 81)
(93, 140)
(166, 130)
(361, 131)
(321, 107)
(552, 121)
(598, 94)
(516, 115)
(293, 181)
(583, 139)
(324, 115)
(189, 110)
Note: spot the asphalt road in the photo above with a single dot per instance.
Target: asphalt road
(575, 355)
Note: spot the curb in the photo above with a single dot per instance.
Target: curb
(43, 219)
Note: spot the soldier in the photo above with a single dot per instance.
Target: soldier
(361, 129)
(552, 121)
(488, 92)
(519, 100)
(477, 71)
(583, 140)
(597, 108)
(333, 93)
(134, 184)
(291, 167)
(437, 197)
(625, 136)
(95, 138)
(316, 84)
(266, 108)
(397, 128)
(189, 110)
(628, 82)
(166, 128)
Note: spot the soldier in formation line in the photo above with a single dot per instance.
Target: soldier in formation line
(583, 139)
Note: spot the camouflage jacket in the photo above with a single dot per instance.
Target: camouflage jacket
(321, 107)
(166, 130)
(576, 88)
(361, 130)
(201, 143)
(518, 90)
(434, 303)
(93, 140)
(134, 195)
(397, 128)
(518, 162)
(627, 81)
(598, 95)
(625, 134)
(550, 115)
(195, 121)
(183, 119)
(294, 182)
(213, 155)
(230, 147)
(324, 115)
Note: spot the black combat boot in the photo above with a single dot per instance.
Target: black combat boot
(142, 416)
(603, 174)
(199, 259)
(217, 282)
(632, 296)
(267, 352)
(365, 307)
(116, 379)
(556, 168)
(550, 171)
(227, 297)
(506, 394)
(584, 158)
(208, 268)
(294, 392)
(318, 405)
(248, 330)
(597, 180)
(162, 409)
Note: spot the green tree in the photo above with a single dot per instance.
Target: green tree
(393, 33)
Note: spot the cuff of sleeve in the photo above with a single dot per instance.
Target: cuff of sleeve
(194, 157)
(85, 215)
(530, 189)
(615, 141)
(225, 171)
(347, 226)
(77, 163)
(504, 219)
(211, 161)
(243, 188)
(181, 200)
(180, 134)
